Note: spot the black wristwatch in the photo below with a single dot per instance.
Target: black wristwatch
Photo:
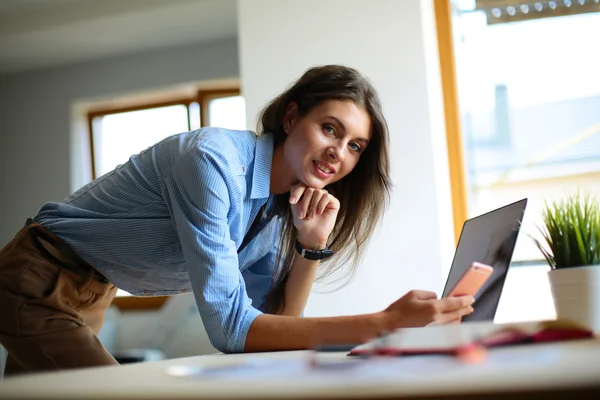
(313, 254)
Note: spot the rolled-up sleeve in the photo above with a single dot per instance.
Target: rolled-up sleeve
(199, 194)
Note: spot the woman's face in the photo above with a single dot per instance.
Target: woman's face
(325, 145)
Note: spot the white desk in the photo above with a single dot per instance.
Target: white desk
(534, 371)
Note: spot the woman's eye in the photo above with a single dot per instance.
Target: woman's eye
(355, 147)
(329, 129)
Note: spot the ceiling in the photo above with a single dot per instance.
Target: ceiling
(43, 33)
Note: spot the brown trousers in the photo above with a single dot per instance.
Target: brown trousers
(51, 307)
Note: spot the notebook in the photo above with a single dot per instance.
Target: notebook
(490, 239)
(452, 339)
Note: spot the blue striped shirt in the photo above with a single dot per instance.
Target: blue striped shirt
(175, 218)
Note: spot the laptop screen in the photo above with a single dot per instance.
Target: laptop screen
(489, 239)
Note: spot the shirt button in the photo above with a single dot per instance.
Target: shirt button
(147, 293)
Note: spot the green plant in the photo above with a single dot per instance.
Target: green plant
(571, 231)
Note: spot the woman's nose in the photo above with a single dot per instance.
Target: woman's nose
(337, 153)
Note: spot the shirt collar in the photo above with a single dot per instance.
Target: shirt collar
(263, 159)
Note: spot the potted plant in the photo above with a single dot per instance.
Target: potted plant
(571, 246)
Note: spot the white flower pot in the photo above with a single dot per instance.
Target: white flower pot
(576, 294)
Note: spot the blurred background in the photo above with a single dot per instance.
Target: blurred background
(84, 84)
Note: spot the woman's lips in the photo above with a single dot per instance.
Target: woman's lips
(319, 172)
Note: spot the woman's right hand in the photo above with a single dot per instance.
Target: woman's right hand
(419, 308)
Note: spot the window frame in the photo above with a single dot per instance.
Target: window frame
(131, 303)
(456, 159)
(202, 97)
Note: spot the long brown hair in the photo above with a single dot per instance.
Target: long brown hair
(363, 193)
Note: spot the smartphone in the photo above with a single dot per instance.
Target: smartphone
(472, 280)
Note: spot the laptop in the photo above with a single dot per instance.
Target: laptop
(489, 239)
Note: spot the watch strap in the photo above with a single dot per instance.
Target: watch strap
(312, 254)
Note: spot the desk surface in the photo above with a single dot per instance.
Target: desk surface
(545, 370)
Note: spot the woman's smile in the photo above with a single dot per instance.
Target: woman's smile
(323, 170)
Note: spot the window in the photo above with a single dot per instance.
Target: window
(528, 94)
(227, 112)
(529, 97)
(116, 134)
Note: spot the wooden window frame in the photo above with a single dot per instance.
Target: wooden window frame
(458, 187)
(203, 98)
(139, 107)
(132, 303)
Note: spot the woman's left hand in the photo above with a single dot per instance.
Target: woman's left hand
(315, 212)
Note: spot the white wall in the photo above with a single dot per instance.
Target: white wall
(393, 43)
(36, 122)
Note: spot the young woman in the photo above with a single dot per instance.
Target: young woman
(242, 220)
